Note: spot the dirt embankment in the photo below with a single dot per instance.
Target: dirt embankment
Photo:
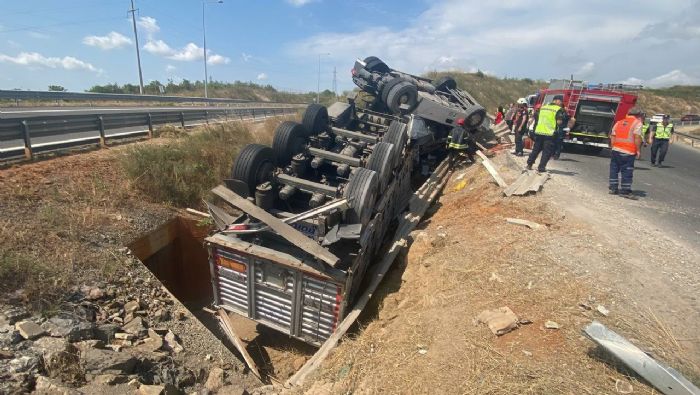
(422, 335)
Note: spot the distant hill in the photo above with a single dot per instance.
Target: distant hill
(491, 92)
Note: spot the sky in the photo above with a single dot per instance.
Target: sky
(81, 43)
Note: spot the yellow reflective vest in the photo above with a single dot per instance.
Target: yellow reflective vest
(547, 120)
(663, 132)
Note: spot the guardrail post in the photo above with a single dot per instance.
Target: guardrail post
(27, 141)
(150, 125)
(101, 127)
(206, 116)
(182, 119)
(253, 114)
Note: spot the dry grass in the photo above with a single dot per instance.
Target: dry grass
(466, 260)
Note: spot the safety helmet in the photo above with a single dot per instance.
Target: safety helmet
(460, 121)
(522, 101)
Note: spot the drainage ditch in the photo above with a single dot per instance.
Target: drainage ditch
(174, 252)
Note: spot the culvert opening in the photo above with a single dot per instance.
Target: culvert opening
(175, 253)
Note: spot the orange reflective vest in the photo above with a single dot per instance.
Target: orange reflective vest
(624, 135)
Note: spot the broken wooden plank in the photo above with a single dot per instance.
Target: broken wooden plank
(491, 169)
(290, 234)
(524, 222)
(420, 201)
(231, 333)
(666, 379)
(197, 212)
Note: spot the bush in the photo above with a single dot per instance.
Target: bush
(181, 171)
(40, 282)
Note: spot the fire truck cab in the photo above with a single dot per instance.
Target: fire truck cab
(595, 108)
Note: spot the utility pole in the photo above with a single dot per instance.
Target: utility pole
(335, 82)
(136, 40)
(204, 31)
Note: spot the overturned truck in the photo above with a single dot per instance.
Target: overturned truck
(317, 207)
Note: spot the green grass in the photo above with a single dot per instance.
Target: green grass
(183, 170)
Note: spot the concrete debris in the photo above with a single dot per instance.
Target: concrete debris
(551, 325)
(172, 343)
(500, 321)
(136, 326)
(524, 222)
(602, 310)
(29, 330)
(215, 379)
(623, 387)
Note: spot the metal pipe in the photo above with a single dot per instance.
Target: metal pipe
(334, 157)
(354, 135)
(306, 185)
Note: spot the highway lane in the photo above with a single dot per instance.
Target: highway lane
(669, 197)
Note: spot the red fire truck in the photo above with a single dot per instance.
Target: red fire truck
(596, 108)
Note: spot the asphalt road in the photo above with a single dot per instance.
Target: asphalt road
(669, 197)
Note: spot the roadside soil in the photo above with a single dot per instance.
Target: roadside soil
(421, 334)
(64, 227)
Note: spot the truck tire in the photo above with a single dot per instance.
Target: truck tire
(387, 87)
(475, 116)
(288, 141)
(382, 161)
(315, 119)
(374, 64)
(402, 93)
(397, 136)
(361, 190)
(443, 83)
(253, 166)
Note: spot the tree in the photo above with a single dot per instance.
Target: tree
(56, 88)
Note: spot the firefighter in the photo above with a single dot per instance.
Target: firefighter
(626, 146)
(460, 141)
(661, 138)
(549, 118)
(520, 126)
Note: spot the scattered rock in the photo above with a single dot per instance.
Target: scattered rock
(95, 293)
(527, 353)
(124, 336)
(60, 359)
(104, 361)
(14, 314)
(24, 364)
(29, 330)
(131, 307)
(172, 343)
(180, 315)
(161, 315)
(6, 354)
(551, 325)
(152, 343)
(44, 385)
(72, 330)
(109, 379)
(151, 389)
(137, 327)
(623, 387)
(602, 310)
(215, 379)
(87, 344)
(500, 321)
(133, 383)
(106, 332)
(495, 277)
(10, 338)
(422, 351)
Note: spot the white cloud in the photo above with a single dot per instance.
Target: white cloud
(110, 41)
(299, 3)
(158, 47)
(189, 53)
(34, 59)
(673, 77)
(170, 68)
(148, 25)
(217, 59)
(246, 57)
(262, 77)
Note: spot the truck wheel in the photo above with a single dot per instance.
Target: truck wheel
(387, 87)
(382, 161)
(474, 116)
(253, 166)
(288, 141)
(402, 93)
(361, 190)
(374, 64)
(443, 83)
(397, 136)
(315, 119)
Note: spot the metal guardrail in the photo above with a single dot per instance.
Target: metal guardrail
(693, 139)
(58, 128)
(89, 97)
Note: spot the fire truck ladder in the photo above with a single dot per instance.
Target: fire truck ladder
(576, 88)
